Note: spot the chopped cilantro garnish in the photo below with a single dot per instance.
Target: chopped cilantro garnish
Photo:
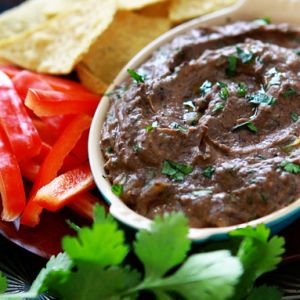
(231, 65)
(176, 171)
(176, 126)
(117, 189)
(294, 117)
(242, 89)
(224, 93)
(109, 149)
(289, 92)
(245, 56)
(135, 76)
(218, 106)
(222, 84)
(149, 128)
(208, 172)
(205, 88)
(261, 98)
(248, 125)
(136, 148)
(264, 21)
(290, 167)
(297, 51)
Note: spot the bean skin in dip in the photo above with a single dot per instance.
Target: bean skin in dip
(209, 126)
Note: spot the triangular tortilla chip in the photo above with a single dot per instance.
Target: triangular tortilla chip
(182, 10)
(135, 4)
(128, 34)
(58, 44)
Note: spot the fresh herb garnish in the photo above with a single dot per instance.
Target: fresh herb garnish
(169, 270)
(264, 21)
(290, 167)
(248, 125)
(208, 172)
(218, 106)
(109, 149)
(224, 92)
(205, 88)
(136, 148)
(245, 56)
(176, 171)
(294, 117)
(117, 189)
(149, 128)
(231, 65)
(176, 126)
(242, 89)
(261, 98)
(289, 92)
(135, 76)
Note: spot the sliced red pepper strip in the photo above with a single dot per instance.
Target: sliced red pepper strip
(23, 136)
(81, 148)
(10, 70)
(29, 169)
(11, 184)
(83, 204)
(61, 190)
(53, 163)
(48, 103)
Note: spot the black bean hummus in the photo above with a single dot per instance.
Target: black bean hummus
(209, 125)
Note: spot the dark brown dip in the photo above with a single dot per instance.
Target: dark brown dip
(212, 131)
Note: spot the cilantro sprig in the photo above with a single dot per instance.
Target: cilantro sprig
(135, 76)
(175, 170)
(248, 124)
(95, 264)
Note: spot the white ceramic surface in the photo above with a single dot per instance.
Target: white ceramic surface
(279, 11)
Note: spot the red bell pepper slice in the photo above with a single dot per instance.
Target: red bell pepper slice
(62, 190)
(83, 204)
(53, 163)
(48, 103)
(23, 136)
(11, 184)
(10, 70)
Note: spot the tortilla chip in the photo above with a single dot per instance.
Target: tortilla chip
(181, 10)
(91, 82)
(128, 34)
(156, 10)
(58, 44)
(135, 4)
(30, 14)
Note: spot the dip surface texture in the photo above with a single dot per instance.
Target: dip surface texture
(211, 128)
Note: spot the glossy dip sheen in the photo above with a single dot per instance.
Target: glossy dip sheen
(209, 126)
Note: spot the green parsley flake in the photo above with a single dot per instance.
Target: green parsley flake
(176, 171)
(294, 117)
(248, 125)
(149, 128)
(117, 189)
(232, 65)
(136, 148)
(261, 98)
(224, 93)
(264, 21)
(290, 167)
(205, 88)
(242, 89)
(208, 172)
(218, 106)
(135, 76)
(289, 92)
(245, 56)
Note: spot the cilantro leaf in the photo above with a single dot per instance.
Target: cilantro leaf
(208, 172)
(117, 189)
(231, 65)
(245, 56)
(3, 283)
(261, 98)
(135, 76)
(103, 245)
(294, 116)
(264, 21)
(265, 293)
(176, 126)
(224, 93)
(149, 128)
(202, 276)
(205, 88)
(247, 124)
(110, 283)
(290, 167)
(242, 89)
(100, 216)
(258, 253)
(175, 170)
(218, 106)
(169, 233)
(289, 92)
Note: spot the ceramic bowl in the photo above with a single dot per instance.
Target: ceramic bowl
(278, 11)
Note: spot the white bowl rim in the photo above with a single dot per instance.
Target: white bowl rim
(243, 9)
